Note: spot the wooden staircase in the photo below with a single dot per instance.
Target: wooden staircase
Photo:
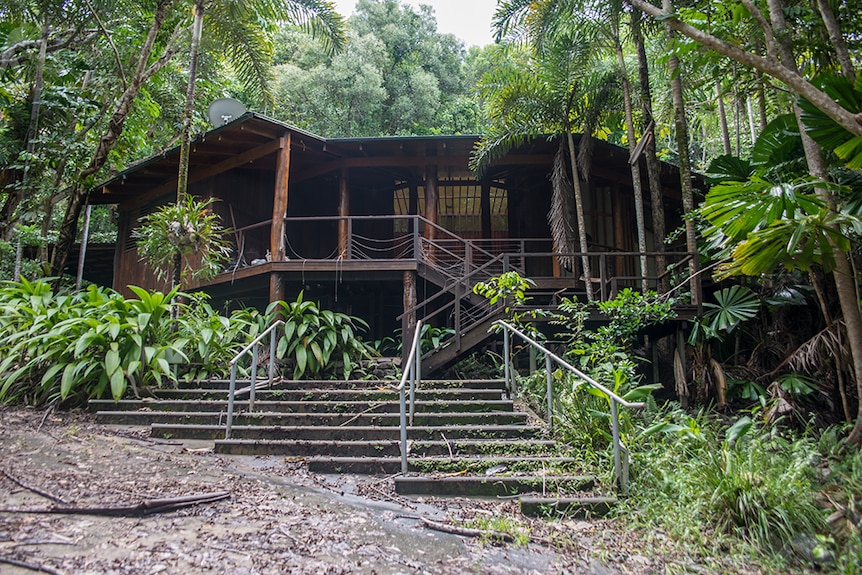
(467, 439)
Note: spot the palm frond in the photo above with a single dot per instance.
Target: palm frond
(560, 216)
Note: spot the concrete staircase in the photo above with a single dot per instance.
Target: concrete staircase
(467, 439)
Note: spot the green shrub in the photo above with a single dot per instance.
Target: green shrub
(58, 347)
(314, 338)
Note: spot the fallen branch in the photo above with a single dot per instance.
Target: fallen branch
(148, 507)
(30, 566)
(35, 490)
(467, 532)
(361, 413)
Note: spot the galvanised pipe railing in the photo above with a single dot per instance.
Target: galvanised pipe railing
(414, 372)
(621, 464)
(252, 347)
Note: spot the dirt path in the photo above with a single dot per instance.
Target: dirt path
(279, 518)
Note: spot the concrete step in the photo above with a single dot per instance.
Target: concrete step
(491, 485)
(323, 407)
(580, 507)
(463, 464)
(358, 433)
(307, 419)
(376, 394)
(315, 384)
(390, 448)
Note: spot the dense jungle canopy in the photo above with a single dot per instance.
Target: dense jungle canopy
(761, 96)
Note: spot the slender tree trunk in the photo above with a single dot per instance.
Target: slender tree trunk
(842, 54)
(681, 133)
(635, 165)
(579, 212)
(845, 283)
(185, 145)
(653, 165)
(32, 132)
(722, 118)
(80, 188)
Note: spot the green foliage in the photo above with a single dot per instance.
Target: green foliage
(509, 288)
(733, 306)
(96, 343)
(314, 339)
(726, 488)
(188, 232)
(213, 338)
(59, 347)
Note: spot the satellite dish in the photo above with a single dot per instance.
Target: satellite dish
(224, 110)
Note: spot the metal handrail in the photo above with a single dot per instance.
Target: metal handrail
(621, 465)
(233, 369)
(413, 370)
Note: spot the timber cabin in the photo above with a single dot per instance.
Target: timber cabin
(390, 229)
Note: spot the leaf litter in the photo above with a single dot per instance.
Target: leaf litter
(279, 518)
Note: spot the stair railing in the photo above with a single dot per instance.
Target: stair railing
(413, 371)
(621, 454)
(234, 364)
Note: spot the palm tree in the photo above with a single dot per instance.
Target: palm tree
(559, 90)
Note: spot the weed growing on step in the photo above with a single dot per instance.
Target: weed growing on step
(495, 527)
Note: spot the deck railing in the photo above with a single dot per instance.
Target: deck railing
(453, 258)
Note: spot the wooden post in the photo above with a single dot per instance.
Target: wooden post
(431, 200)
(408, 322)
(485, 211)
(277, 243)
(276, 287)
(343, 212)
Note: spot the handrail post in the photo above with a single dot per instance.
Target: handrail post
(615, 429)
(413, 376)
(416, 244)
(403, 430)
(272, 335)
(230, 400)
(458, 315)
(349, 238)
(603, 275)
(253, 379)
(506, 358)
(550, 393)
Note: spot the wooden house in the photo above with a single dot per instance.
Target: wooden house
(389, 229)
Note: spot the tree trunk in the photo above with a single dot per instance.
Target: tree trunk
(845, 283)
(579, 212)
(185, 144)
(653, 165)
(842, 54)
(722, 118)
(635, 165)
(681, 129)
(847, 119)
(81, 186)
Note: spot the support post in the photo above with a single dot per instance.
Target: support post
(277, 243)
(485, 210)
(408, 322)
(431, 200)
(550, 390)
(343, 213)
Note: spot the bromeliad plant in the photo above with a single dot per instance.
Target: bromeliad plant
(185, 237)
(315, 339)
